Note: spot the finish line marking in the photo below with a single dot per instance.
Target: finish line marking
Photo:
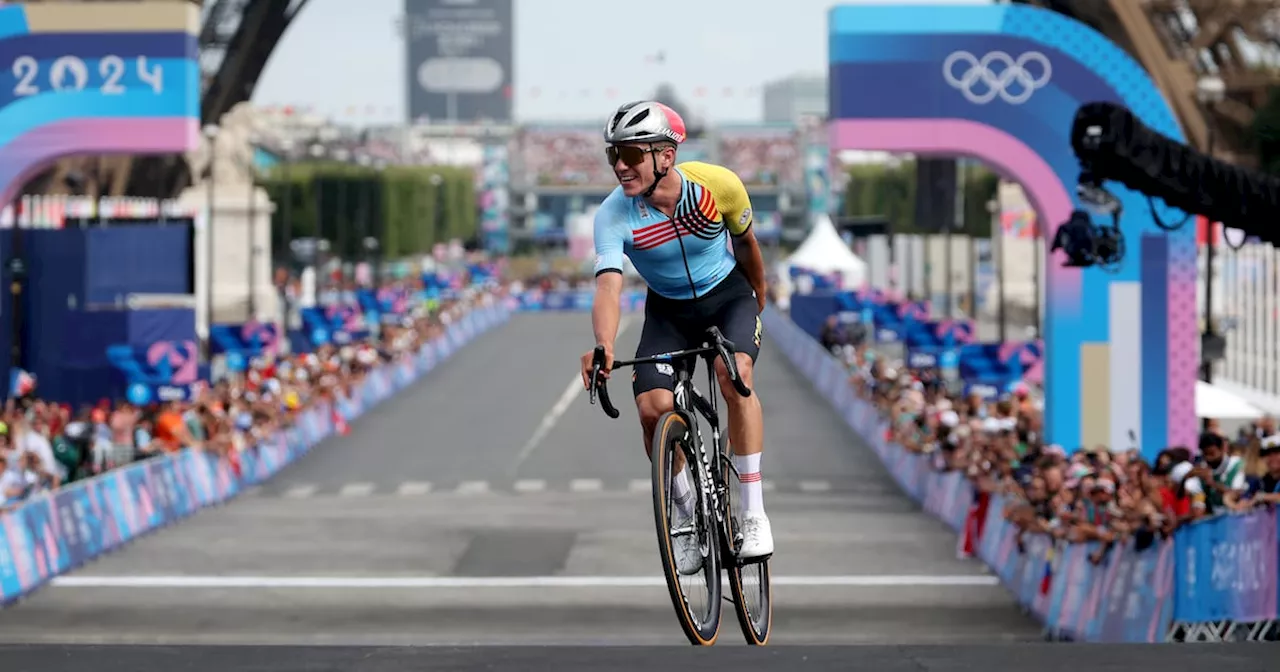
(870, 581)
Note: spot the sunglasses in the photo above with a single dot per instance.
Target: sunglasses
(631, 155)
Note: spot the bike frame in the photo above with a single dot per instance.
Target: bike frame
(690, 403)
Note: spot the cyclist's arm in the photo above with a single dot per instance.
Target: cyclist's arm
(606, 309)
(735, 206)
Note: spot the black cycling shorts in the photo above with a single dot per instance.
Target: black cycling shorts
(672, 324)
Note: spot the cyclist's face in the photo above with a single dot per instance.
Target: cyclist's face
(633, 165)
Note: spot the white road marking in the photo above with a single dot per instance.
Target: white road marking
(356, 490)
(300, 491)
(814, 486)
(768, 485)
(641, 485)
(414, 488)
(473, 487)
(326, 582)
(530, 486)
(585, 485)
(558, 409)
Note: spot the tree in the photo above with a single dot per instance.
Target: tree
(1264, 133)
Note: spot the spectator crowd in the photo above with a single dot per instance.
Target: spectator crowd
(46, 445)
(575, 156)
(1093, 494)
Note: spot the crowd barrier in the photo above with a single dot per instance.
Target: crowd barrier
(536, 300)
(57, 532)
(1214, 580)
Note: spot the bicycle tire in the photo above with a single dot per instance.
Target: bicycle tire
(755, 616)
(701, 629)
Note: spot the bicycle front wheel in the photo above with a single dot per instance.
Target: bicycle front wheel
(696, 597)
(749, 584)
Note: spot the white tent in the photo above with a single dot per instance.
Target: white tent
(1219, 404)
(824, 251)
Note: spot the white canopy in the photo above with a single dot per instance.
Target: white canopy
(824, 251)
(1219, 404)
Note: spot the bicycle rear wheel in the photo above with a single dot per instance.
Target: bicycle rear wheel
(749, 584)
(696, 597)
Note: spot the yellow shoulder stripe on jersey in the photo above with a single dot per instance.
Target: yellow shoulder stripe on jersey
(727, 192)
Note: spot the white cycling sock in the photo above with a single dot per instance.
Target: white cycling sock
(682, 492)
(749, 483)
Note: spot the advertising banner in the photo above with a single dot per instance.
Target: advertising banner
(459, 60)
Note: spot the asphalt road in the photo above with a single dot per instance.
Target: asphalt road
(490, 504)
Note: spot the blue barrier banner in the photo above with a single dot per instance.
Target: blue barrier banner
(59, 531)
(573, 300)
(1227, 569)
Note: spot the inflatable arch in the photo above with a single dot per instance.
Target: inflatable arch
(1002, 83)
(96, 78)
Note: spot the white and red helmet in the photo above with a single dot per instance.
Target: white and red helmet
(645, 121)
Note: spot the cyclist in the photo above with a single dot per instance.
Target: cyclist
(674, 222)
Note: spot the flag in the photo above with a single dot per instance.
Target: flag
(973, 524)
(340, 423)
(1046, 579)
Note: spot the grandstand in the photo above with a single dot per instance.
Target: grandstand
(557, 170)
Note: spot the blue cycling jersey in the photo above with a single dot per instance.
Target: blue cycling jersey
(681, 257)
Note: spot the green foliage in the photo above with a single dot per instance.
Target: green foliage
(890, 190)
(1264, 133)
(407, 208)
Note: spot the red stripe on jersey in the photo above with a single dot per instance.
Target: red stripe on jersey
(648, 236)
(651, 228)
(655, 241)
(708, 207)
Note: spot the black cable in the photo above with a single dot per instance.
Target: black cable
(1155, 217)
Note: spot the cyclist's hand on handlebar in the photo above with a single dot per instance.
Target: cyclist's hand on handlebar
(589, 358)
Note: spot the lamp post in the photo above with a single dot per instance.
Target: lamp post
(1210, 91)
(286, 217)
(362, 222)
(318, 152)
(380, 221)
(997, 260)
(341, 155)
(438, 215)
(252, 222)
(211, 136)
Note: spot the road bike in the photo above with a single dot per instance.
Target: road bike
(717, 509)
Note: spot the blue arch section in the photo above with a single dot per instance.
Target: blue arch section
(887, 64)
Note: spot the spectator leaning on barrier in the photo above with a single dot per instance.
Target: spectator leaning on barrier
(1263, 488)
(42, 447)
(1096, 494)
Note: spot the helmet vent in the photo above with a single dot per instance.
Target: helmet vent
(644, 114)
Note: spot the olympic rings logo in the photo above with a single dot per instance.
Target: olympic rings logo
(1012, 80)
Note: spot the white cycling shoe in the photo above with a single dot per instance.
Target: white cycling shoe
(686, 549)
(757, 537)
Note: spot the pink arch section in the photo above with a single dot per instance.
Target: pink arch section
(1002, 151)
(34, 150)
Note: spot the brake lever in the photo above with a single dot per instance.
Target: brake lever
(726, 349)
(595, 377)
(600, 385)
